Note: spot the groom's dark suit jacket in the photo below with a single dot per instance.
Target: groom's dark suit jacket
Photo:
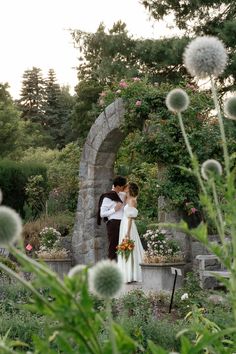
(111, 195)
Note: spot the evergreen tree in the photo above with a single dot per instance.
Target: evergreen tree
(83, 114)
(52, 113)
(32, 96)
(9, 122)
(57, 110)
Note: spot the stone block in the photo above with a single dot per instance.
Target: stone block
(158, 276)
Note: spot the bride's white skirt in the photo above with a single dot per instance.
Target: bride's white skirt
(131, 269)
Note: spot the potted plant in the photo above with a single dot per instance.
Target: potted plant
(50, 251)
(162, 254)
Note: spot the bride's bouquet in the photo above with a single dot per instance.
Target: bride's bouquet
(125, 248)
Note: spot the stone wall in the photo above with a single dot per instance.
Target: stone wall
(96, 172)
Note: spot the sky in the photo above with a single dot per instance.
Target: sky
(35, 33)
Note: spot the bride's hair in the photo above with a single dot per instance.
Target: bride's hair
(133, 189)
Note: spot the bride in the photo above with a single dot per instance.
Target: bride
(131, 269)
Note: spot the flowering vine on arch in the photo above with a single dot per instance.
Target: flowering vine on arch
(160, 140)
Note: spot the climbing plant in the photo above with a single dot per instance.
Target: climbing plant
(158, 138)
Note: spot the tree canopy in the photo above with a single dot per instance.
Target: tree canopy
(197, 18)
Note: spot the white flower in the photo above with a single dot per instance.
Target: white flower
(105, 279)
(76, 270)
(177, 100)
(205, 56)
(184, 296)
(211, 168)
(10, 226)
(230, 108)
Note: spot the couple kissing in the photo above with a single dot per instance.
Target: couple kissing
(118, 209)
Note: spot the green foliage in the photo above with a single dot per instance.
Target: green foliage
(32, 95)
(14, 177)
(10, 264)
(62, 173)
(48, 237)
(36, 194)
(112, 55)
(57, 106)
(156, 139)
(201, 17)
(84, 111)
(137, 316)
(9, 121)
(63, 222)
(15, 318)
(68, 303)
(107, 56)
(46, 107)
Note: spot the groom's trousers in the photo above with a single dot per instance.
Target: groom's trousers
(113, 229)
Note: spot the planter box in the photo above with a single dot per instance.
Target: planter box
(158, 276)
(59, 266)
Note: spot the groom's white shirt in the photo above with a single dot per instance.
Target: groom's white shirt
(108, 208)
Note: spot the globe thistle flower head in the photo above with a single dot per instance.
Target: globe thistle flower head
(10, 226)
(76, 270)
(105, 279)
(205, 56)
(211, 168)
(177, 100)
(230, 108)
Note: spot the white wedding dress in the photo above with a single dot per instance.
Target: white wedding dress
(131, 269)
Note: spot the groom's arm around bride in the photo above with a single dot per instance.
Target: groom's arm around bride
(111, 210)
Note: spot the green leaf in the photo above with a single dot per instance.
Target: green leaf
(154, 349)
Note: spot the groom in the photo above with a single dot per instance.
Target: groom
(110, 208)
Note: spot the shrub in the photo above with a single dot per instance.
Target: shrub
(14, 177)
(62, 222)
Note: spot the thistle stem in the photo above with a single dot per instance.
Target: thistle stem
(110, 324)
(27, 284)
(222, 130)
(219, 213)
(193, 159)
(40, 268)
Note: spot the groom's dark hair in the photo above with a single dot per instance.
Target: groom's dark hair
(119, 181)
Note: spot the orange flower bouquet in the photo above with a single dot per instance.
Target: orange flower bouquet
(125, 248)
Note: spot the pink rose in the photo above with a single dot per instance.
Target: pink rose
(193, 210)
(29, 247)
(123, 84)
(138, 103)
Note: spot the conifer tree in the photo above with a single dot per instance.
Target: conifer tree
(32, 95)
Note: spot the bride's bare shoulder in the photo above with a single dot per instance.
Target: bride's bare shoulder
(133, 202)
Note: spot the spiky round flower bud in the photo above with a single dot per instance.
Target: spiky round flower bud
(10, 226)
(205, 56)
(177, 100)
(0, 196)
(211, 168)
(76, 270)
(230, 108)
(105, 279)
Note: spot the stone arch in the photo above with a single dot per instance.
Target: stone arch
(96, 172)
